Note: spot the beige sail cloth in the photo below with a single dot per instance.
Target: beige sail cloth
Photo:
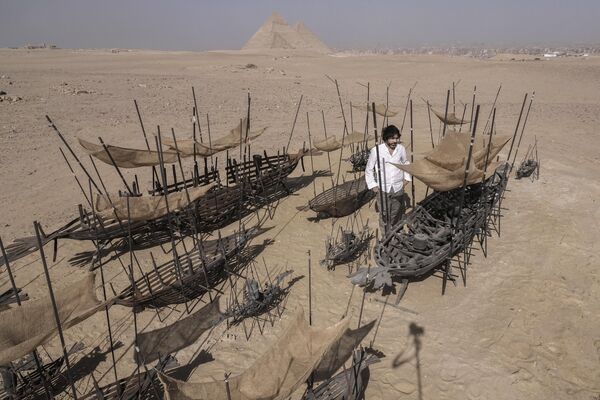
(183, 333)
(24, 328)
(341, 351)
(444, 167)
(125, 157)
(145, 208)
(237, 135)
(232, 139)
(379, 109)
(274, 375)
(332, 143)
(187, 147)
(451, 118)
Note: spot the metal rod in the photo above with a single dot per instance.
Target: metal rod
(16, 292)
(472, 108)
(446, 113)
(212, 164)
(453, 98)
(75, 176)
(516, 128)
(309, 290)
(430, 126)
(72, 153)
(325, 131)
(522, 130)
(412, 153)
(406, 107)
(54, 308)
(378, 165)
(294, 124)
(112, 160)
(312, 166)
(194, 119)
(362, 302)
(344, 133)
(197, 114)
(493, 106)
(137, 109)
(110, 335)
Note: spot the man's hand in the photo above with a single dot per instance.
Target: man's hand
(375, 189)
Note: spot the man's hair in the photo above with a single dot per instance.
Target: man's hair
(389, 132)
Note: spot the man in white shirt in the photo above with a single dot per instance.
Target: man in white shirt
(392, 179)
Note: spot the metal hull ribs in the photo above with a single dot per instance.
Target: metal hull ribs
(261, 172)
(184, 278)
(341, 200)
(425, 238)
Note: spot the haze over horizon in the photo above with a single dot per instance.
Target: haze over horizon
(207, 25)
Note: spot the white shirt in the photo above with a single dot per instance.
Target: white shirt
(394, 177)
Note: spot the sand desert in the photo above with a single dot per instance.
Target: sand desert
(525, 326)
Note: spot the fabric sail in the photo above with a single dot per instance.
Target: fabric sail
(274, 375)
(144, 208)
(451, 118)
(125, 157)
(443, 168)
(341, 351)
(24, 328)
(232, 139)
(332, 143)
(189, 147)
(183, 333)
(379, 109)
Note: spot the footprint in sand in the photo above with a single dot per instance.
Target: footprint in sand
(518, 349)
(549, 351)
(400, 385)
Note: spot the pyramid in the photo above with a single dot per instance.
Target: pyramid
(275, 33)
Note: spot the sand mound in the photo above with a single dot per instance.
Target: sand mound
(275, 33)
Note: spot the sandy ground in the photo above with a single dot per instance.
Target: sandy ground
(526, 325)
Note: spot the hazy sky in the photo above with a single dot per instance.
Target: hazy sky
(228, 24)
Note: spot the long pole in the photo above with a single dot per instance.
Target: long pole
(378, 165)
(209, 140)
(406, 107)
(312, 166)
(309, 290)
(362, 301)
(72, 153)
(36, 227)
(493, 106)
(325, 131)
(430, 127)
(16, 292)
(137, 109)
(112, 160)
(344, 133)
(294, 124)
(412, 152)
(472, 107)
(194, 120)
(367, 119)
(110, 335)
(512, 142)
(446, 113)
(522, 130)
(197, 114)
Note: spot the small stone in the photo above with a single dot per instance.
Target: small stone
(2, 92)
(82, 92)
(14, 99)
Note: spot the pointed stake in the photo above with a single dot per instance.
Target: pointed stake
(54, 308)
